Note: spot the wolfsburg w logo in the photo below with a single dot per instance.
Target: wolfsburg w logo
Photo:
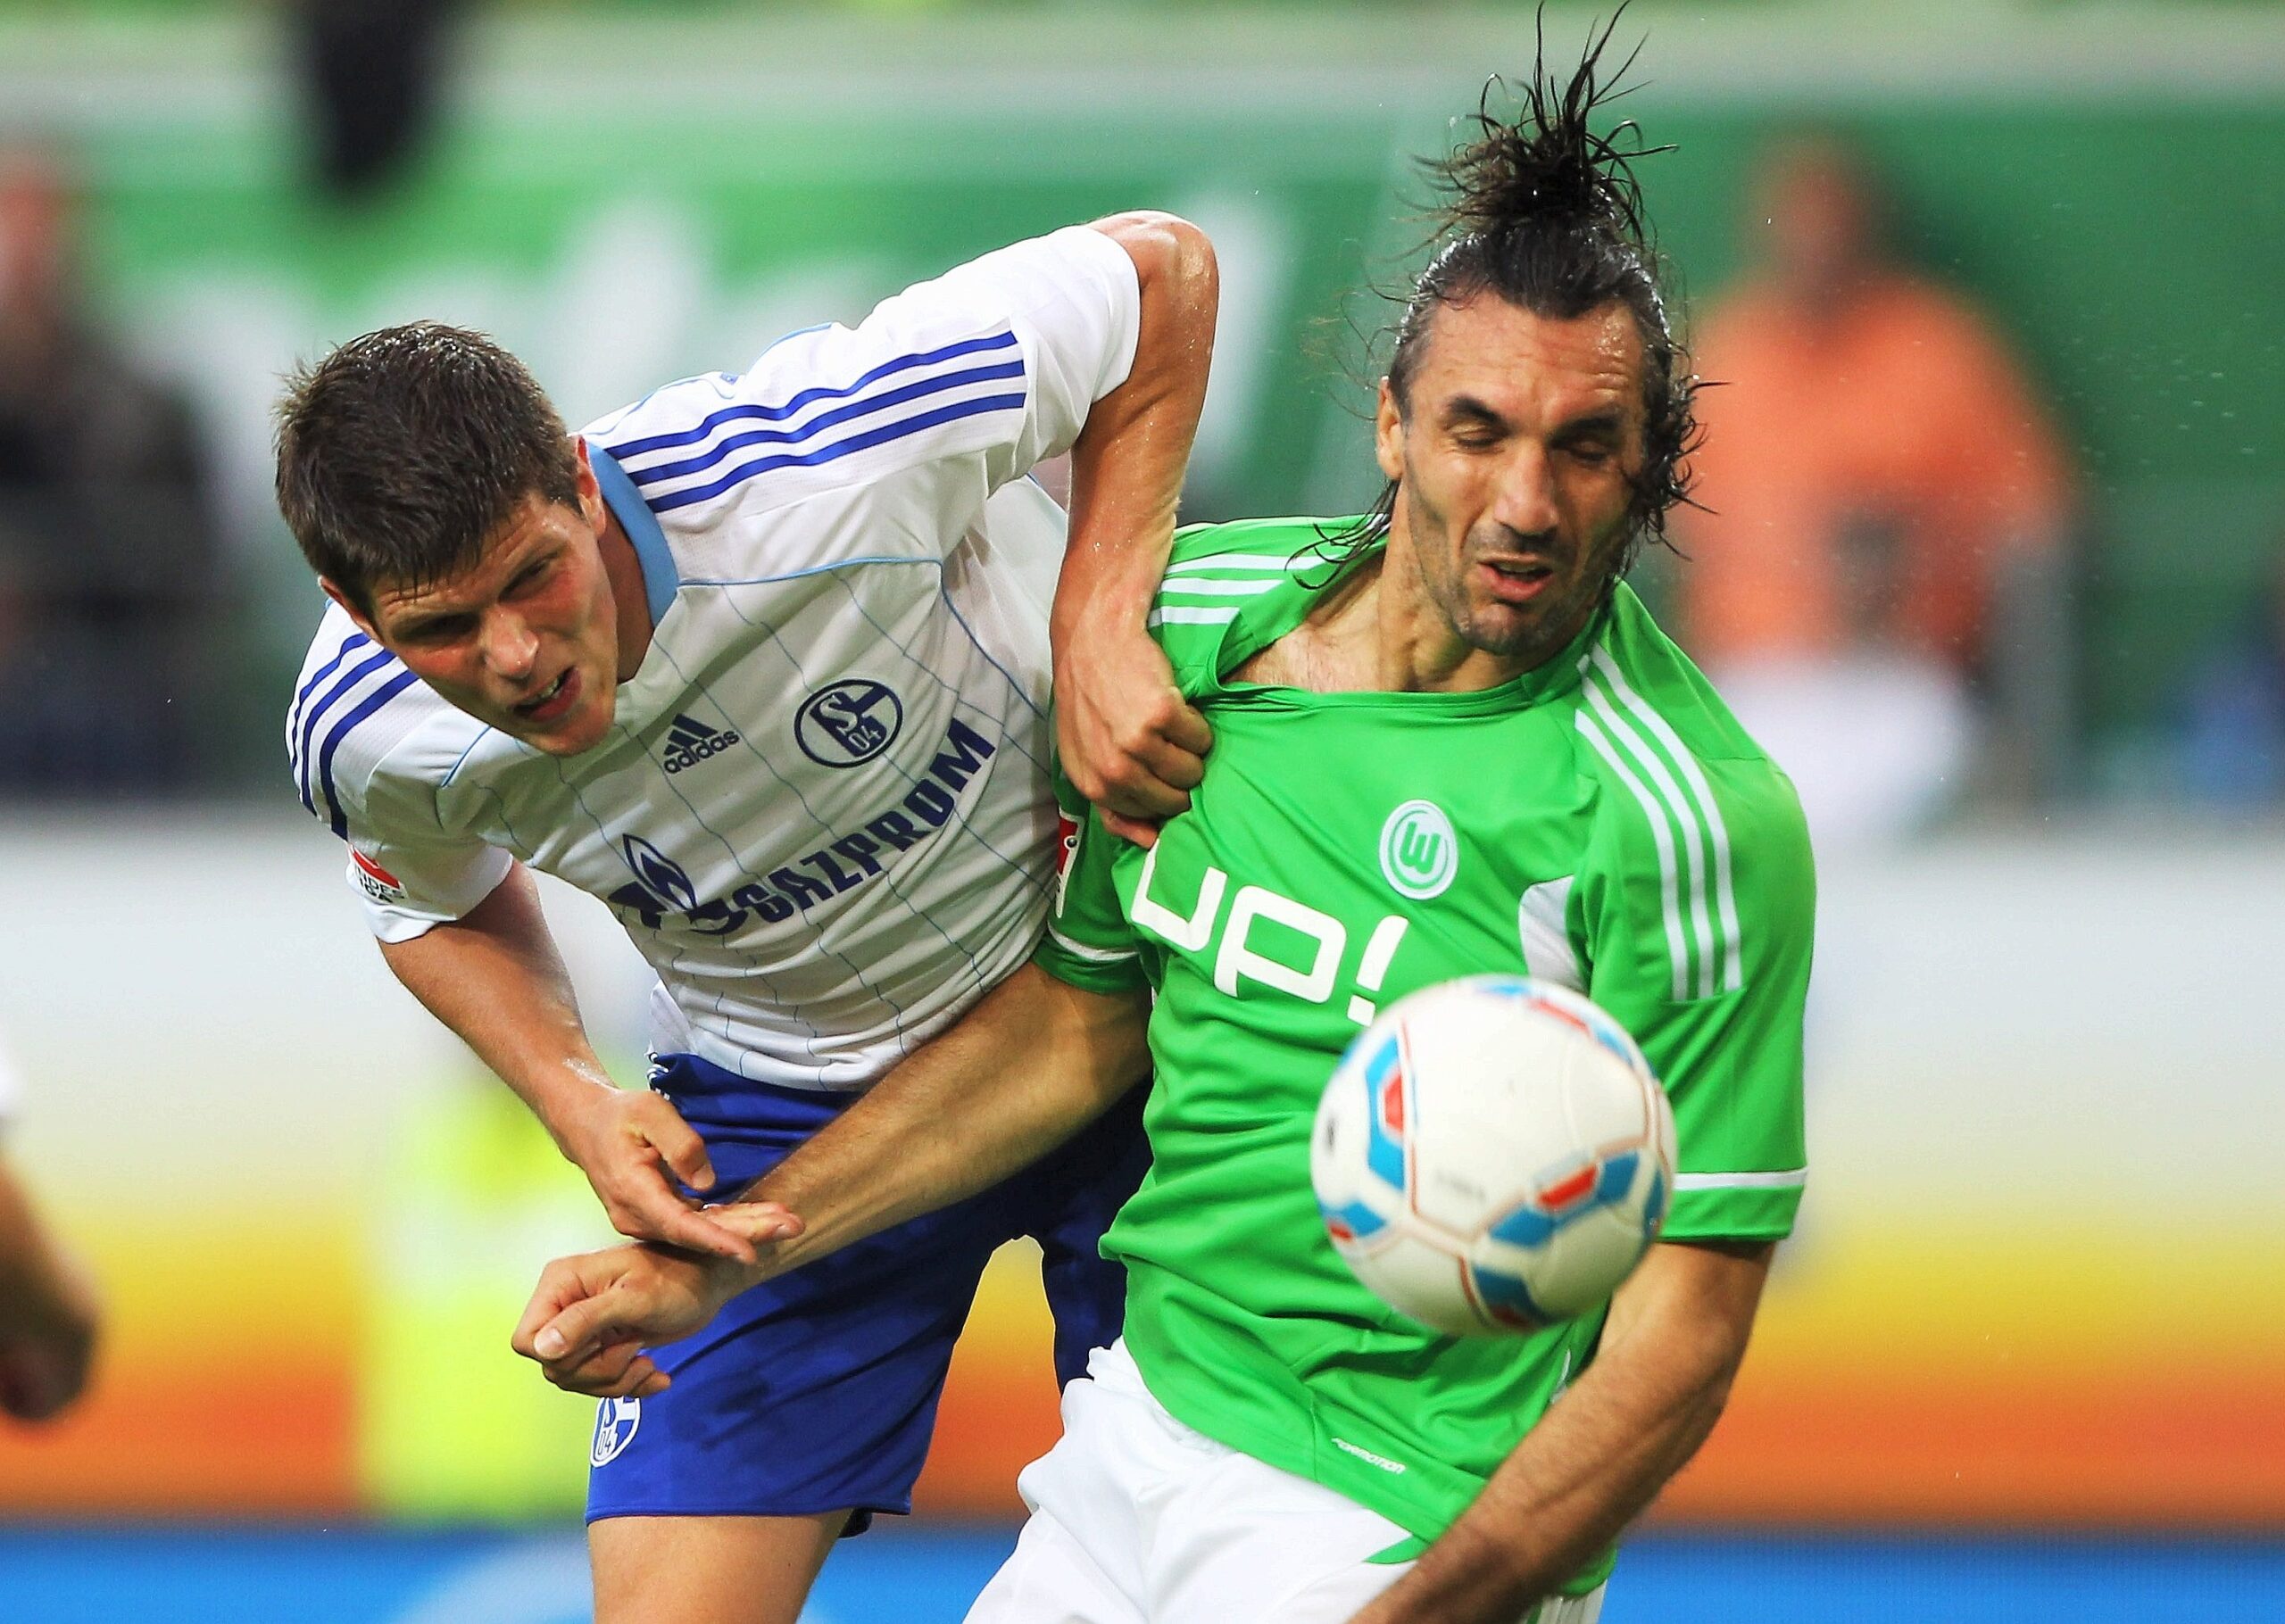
(1419, 853)
(690, 742)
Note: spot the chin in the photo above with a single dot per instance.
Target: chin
(574, 735)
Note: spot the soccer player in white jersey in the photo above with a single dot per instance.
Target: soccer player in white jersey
(763, 662)
(1464, 668)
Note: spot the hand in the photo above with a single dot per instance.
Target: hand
(1129, 741)
(591, 1316)
(45, 1357)
(627, 1141)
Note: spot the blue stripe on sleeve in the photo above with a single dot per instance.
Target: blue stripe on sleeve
(772, 414)
(829, 419)
(871, 437)
(342, 729)
(356, 640)
(357, 672)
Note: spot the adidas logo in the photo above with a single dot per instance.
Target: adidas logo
(690, 742)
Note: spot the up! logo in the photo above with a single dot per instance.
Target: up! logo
(1419, 853)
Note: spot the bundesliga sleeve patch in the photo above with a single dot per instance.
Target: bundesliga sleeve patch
(377, 883)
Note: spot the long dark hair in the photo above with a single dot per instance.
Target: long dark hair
(1543, 212)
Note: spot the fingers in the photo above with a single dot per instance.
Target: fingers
(1143, 765)
(757, 1222)
(580, 1326)
(1187, 729)
(698, 1231)
(677, 1142)
(565, 1281)
(619, 1371)
(1143, 834)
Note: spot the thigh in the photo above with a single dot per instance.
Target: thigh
(1281, 1564)
(1050, 1578)
(814, 1393)
(1084, 1556)
(1069, 1200)
(1249, 1541)
(707, 1570)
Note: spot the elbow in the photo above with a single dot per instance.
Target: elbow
(1170, 254)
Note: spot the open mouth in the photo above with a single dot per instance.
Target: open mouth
(1517, 580)
(552, 701)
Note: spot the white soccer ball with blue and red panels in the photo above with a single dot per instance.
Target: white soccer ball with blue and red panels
(1492, 1156)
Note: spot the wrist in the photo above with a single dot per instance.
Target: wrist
(1105, 621)
(571, 1108)
(726, 1278)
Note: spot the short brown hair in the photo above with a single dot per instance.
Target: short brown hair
(402, 451)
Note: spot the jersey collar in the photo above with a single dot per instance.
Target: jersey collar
(660, 577)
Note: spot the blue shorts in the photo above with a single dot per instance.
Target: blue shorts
(817, 1391)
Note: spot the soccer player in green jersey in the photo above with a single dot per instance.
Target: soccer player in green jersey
(1448, 739)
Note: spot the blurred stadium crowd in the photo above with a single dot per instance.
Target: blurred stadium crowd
(1906, 572)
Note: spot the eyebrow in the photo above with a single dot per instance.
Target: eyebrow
(1609, 421)
(422, 620)
(1467, 407)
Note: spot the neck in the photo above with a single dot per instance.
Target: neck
(630, 598)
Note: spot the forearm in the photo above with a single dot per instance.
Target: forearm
(1600, 1456)
(1023, 1072)
(495, 978)
(1127, 464)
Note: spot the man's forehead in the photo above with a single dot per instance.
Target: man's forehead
(528, 530)
(1516, 359)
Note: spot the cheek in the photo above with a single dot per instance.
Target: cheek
(450, 672)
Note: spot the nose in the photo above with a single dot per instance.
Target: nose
(510, 647)
(1523, 500)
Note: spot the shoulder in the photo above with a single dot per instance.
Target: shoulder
(365, 739)
(1214, 571)
(830, 409)
(1682, 781)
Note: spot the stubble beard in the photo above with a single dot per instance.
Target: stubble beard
(1534, 633)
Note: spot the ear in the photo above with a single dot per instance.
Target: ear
(1387, 433)
(589, 489)
(364, 621)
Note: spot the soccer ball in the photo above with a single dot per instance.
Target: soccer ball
(1492, 1154)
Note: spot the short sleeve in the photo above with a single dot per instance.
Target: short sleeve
(1074, 303)
(408, 873)
(1089, 942)
(365, 763)
(1698, 915)
(945, 392)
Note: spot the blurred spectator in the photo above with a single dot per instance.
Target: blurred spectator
(1878, 587)
(2234, 712)
(48, 1317)
(370, 69)
(107, 557)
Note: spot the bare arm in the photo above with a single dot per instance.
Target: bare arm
(494, 976)
(1129, 740)
(1675, 1340)
(1027, 1068)
(47, 1312)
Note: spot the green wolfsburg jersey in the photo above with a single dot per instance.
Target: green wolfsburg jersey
(1600, 821)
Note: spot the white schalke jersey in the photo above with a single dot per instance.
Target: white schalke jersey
(823, 812)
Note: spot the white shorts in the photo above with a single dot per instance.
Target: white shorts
(1138, 1519)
